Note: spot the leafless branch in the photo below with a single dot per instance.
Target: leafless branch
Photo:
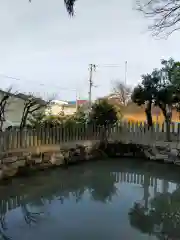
(122, 92)
(31, 105)
(164, 13)
(29, 217)
(4, 102)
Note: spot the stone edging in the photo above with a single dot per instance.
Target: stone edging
(24, 162)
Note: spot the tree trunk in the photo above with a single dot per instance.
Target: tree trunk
(167, 112)
(148, 114)
(168, 124)
(23, 120)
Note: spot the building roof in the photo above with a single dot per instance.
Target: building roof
(79, 102)
(23, 96)
(60, 102)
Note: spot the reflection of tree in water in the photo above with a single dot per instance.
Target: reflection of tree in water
(33, 200)
(102, 187)
(3, 223)
(29, 216)
(162, 218)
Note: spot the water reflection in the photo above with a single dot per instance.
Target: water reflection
(149, 194)
(162, 215)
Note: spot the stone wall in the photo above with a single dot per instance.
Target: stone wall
(25, 163)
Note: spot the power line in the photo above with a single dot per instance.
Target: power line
(109, 65)
(40, 84)
(116, 66)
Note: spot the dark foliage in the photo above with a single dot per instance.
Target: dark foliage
(160, 88)
(69, 6)
(103, 114)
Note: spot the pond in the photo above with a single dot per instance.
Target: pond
(110, 199)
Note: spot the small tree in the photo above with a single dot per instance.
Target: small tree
(160, 88)
(37, 119)
(103, 113)
(31, 106)
(144, 94)
(80, 116)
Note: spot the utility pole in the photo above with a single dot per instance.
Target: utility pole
(125, 73)
(76, 100)
(92, 68)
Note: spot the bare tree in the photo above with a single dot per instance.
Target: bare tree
(32, 105)
(4, 101)
(122, 92)
(164, 13)
(69, 6)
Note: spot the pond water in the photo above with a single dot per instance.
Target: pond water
(111, 199)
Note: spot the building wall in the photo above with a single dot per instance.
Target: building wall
(69, 110)
(14, 111)
(57, 109)
(54, 109)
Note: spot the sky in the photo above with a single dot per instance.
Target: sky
(49, 52)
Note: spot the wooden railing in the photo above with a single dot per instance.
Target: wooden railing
(125, 131)
(12, 139)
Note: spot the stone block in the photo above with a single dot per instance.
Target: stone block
(12, 154)
(45, 165)
(10, 159)
(59, 156)
(14, 165)
(59, 162)
(27, 156)
(174, 152)
(21, 163)
(53, 158)
(38, 160)
(46, 157)
(1, 174)
(66, 155)
(9, 171)
(78, 151)
(57, 159)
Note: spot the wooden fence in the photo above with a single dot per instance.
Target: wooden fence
(125, 131)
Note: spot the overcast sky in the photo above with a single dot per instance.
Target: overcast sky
(48, 51)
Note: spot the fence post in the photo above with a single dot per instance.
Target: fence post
(172, 131)
(178, 131)
(157, 131)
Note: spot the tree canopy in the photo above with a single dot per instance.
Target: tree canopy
(103, 113)
(160, 88)
(69, 6)
(161, 218)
